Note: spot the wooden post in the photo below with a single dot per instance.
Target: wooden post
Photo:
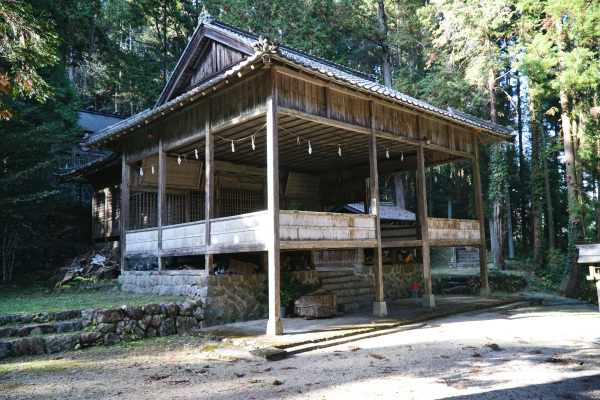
(209, 189)
(106, 212)
(162, 207)
(124, 223)
(485, 288)
(274, 325)
(379, 305)
(428, 298)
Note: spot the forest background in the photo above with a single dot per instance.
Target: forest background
(529, 64)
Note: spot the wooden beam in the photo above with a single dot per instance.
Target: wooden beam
(485, 288)
(162, 199)
(412, 244)
(209, 187)
(124, 223)
(325, 244)
(367, 131)
(379, 305)
(274, 324)
(428, 298)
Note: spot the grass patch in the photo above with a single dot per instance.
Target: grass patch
(29, 299)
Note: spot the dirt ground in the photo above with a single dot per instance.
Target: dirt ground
(546, 352)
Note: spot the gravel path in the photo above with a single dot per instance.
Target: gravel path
(530, 353)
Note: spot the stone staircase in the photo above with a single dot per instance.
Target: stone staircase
(52, 332)
(353, 292)
(467, 256)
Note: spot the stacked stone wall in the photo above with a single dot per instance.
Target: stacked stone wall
(225, 298)
(397, 279)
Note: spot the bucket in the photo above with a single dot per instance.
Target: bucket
(414, 294)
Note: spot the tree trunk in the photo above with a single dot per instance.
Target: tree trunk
(547, 184)
(509, 228)
(521, 165)
(574, 223)
(399, 189)
(385, 49)
(536, 206)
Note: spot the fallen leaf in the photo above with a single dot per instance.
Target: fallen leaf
(254, 381)
(493, 346)
(535, 352)
(476, 355)
(476, 370)
(267, 369)
(377, 356)
(558, 360)
(354, 348)
(277, 383)
(239, 375)
(443, 356)
(288, 368)
(158, 377)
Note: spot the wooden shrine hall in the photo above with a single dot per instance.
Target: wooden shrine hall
(251, 144)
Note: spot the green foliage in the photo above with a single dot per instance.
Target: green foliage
(291, 288)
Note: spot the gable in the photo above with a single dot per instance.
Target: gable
(208, 53)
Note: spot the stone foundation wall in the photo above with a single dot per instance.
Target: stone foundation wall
(225, 298)
(397, 279)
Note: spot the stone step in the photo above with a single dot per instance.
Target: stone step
(39, 317)
(44, 328)
(342, 279)
(335, 273)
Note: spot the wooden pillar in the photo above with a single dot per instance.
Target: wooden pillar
(209, 189)
(428, 298)
(107, 209)
(274, 325)
(124, 223)
(162, 198)
(379, 305)
(485, 287)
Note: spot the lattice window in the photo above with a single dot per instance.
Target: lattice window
(300, 205)
(240, 201)
(175, 209)
(144, 210)
(197, 205)
(81, 159)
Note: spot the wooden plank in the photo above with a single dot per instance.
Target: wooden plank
(479, 212)
(162, 198)
(209, 191)
(374, 185)
(325, 244)
(274, 324)
(423, 222)
(125, 181)
(407, 244)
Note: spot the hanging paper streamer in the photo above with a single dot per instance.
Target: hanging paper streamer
(196, 153)
(402, 157)
(253, 145)
(141, 171)
(309, 148)
(152, 169)
(339, 150)
(232, 147)
(179, 160)
(298, 140)
(387, 153)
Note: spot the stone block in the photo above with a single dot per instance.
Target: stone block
(233, 279)
(30, 346)
(133, 312)
(7, 331)
(164, 289)
(106, 328)
(186, 308)
(186, 325)
(37, 329)
(68, 326)
(152, 309)
(122, 279)
(169, 310)
(58, 343)
(144, 322)
(198, 313)
(151, 333)
(216, 312)
(110, 339)
(26, 318)
(137, 333)
(9, 319)
(156, 320)
(109, 315)
(167, 327)
(44, 317)
(4, 349)
(129, 326)
(88, 339)
(65, 315)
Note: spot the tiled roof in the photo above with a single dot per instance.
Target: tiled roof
(342, 74)
(93, 121)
